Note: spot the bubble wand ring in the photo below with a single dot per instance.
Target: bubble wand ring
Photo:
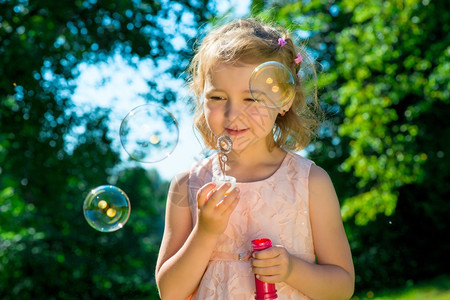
(225, 145)
(224, 141)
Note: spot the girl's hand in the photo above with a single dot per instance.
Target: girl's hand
(272, 265)
(215, 207)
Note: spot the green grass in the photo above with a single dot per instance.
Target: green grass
(436, 289)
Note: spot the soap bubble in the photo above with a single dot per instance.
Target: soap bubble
(106, 208)
(149, 133)
(272, 84)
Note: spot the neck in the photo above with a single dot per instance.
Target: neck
(254, 165)
(254, 157)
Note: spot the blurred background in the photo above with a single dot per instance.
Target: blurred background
(71, 70)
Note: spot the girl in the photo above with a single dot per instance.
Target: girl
(279, 195)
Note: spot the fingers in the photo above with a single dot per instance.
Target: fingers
(271, 273)
(271, 265)
(218, 199)
(204, 193)
(267, 253)
(270, 278)
(211, 197)
(267, 270)
(229, 208)
(215, 207)
(263, 263)
(227, 203)
(219, 194)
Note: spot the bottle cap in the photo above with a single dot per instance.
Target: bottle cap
(261, 244)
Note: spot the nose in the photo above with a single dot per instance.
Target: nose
(234, 110)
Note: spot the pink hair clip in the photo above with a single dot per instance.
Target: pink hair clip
(298, 59)
(281, 42)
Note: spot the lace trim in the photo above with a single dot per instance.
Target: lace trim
(245, 256)
(216, 255)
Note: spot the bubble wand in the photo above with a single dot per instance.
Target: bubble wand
(224, 144)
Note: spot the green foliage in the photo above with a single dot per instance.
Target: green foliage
(385, 84)
(389, 72)
(436, 289)
(47, 249)
(389, 65)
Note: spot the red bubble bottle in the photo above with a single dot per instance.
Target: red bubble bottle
(264, 290)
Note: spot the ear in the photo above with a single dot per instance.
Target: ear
(285, 108)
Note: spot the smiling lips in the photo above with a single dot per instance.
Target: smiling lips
(236, 131)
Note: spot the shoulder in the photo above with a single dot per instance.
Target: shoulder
(322, 195)
(318, 176)
(202, 172)
(300, 159)
(201, 167)
(298, 165)
(179, 187)
(185, 184)
(180, 179)
(320, 184)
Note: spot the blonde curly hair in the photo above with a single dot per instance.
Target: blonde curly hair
(250, 41)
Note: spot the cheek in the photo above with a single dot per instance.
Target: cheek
(262, 116)
(208, 111)
(212, 110)
(212, 114)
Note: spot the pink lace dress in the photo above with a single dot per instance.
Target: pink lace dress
(275, 208)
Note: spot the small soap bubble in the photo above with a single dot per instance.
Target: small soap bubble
(149, 133)
(106, 208)
(272, 84)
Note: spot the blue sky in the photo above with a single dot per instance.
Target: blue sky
(117, 86)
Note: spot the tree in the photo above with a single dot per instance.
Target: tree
(47, 250)
(385, 83)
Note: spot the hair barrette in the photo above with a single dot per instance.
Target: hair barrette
(281, 42)
(298, 59)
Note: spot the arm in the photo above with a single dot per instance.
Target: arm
(333, 276)
(186, 249)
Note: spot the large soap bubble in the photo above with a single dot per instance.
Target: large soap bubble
(106, 208)
(149, 133)
(272, 84)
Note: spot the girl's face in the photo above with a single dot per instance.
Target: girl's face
(230, 109)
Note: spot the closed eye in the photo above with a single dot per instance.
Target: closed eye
(216, 98)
